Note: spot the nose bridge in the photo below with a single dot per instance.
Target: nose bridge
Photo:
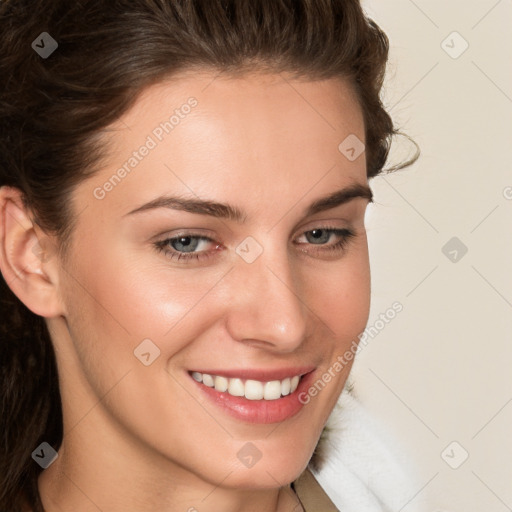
(266, 305)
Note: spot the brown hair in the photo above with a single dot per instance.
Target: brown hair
(52, 110)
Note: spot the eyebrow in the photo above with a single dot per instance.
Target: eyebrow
(233, 213)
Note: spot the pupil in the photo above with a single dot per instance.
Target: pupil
(185, 244)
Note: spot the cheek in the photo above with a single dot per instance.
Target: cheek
(339, 292)
(130, 299)
(112, 308)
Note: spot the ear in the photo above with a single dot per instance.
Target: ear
(28, 258)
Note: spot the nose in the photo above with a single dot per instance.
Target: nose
(267, 307)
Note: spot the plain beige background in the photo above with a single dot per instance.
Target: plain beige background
(439, 373)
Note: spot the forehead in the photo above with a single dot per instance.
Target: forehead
(249, 98)
(217, 136)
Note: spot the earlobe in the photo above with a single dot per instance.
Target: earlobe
(27, 257)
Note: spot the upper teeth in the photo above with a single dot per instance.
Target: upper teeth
(251, 389)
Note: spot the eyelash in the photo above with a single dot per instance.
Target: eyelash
(161, 246)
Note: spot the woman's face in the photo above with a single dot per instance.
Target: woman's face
(159, 284)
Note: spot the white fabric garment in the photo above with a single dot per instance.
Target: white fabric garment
(365, 470)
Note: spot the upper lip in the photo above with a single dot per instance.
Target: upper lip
(259, 374)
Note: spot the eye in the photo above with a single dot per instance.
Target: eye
(184, 247)
(321, 235)
(188, 246)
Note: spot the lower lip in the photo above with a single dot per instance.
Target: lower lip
(259, 411)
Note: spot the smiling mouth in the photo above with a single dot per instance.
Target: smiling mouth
(248, 388)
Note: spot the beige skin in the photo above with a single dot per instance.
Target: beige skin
(144, 438)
